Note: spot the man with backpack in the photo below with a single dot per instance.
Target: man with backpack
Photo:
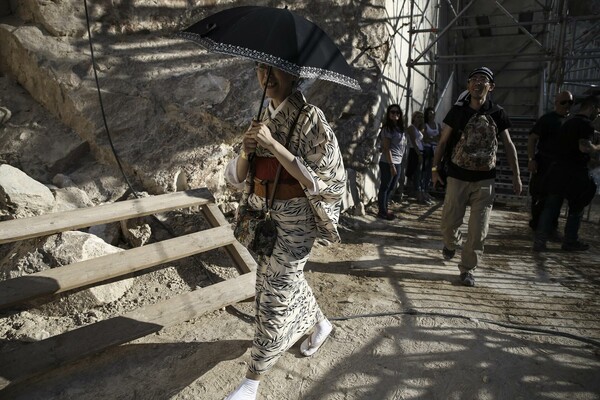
(468, 146)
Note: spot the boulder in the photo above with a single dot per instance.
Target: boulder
(70, 198)
(30, 256)
(21, 196)
(110, 233)
(34, 140)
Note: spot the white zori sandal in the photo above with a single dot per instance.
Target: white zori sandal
(316, 339)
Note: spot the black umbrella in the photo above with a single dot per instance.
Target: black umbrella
(276, 37)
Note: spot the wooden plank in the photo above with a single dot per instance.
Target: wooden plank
(33, 358)
(26, 228)
(84, 273)
(238, 253)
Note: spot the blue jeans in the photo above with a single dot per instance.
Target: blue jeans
(426, 170)
(388, 183)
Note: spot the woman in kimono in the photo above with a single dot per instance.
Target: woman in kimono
(306, 207)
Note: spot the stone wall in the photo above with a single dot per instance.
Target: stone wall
(174, 111)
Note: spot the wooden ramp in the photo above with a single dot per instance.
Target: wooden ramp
(41, 356)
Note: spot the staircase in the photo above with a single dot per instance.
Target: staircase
(519, 133)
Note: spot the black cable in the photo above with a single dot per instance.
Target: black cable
(114, 151)
(87, 19)
(487, 321)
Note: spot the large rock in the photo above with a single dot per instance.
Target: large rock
(175, 112)
(54, 251)
(34, 140)
(21, 196)
(70, 198)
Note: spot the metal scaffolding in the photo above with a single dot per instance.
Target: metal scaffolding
(538, 47)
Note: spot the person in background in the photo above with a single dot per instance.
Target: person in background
(542, 150)
(393, 145)
(571, 178)
(306, 207)
(415, 156)
(431, 137)
(469, 142)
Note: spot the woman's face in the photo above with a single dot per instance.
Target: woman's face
(280, 84)
(419, 119)
(394, 114)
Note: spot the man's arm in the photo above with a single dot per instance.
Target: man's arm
(439, 153)
(511, 155)
(532, 142)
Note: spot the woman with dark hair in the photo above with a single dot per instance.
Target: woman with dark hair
(431, 136)
(393, 145)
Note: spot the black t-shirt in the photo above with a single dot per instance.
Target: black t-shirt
(457, 119)
(574, 129)
(547, 128)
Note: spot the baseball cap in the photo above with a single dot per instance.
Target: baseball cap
(483, 71)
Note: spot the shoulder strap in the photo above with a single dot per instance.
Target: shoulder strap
(287, 143)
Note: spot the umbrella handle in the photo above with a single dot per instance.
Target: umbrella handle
(260, 106)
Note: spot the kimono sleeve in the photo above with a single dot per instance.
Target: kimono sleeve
(319, 151)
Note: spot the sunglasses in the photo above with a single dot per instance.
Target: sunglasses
(480, 80)
(395, 112)
(565, 102)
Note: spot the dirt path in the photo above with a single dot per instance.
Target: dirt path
(404, 329)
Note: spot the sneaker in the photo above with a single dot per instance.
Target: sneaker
(575, 246)
(448, 254)
(467, 279)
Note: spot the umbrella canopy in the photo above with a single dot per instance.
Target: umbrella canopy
(274, 36)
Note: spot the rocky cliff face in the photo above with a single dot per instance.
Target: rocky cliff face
(175, 112)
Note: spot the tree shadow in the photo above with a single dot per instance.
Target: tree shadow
(422, 358)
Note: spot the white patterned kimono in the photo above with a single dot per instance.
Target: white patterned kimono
(285, 305)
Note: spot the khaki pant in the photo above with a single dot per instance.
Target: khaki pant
(479, 196)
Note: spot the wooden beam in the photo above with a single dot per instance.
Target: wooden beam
(88, 272)
(238, 253)
(37, 357)
(26, 228)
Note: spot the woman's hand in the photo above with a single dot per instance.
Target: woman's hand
(258, 133)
